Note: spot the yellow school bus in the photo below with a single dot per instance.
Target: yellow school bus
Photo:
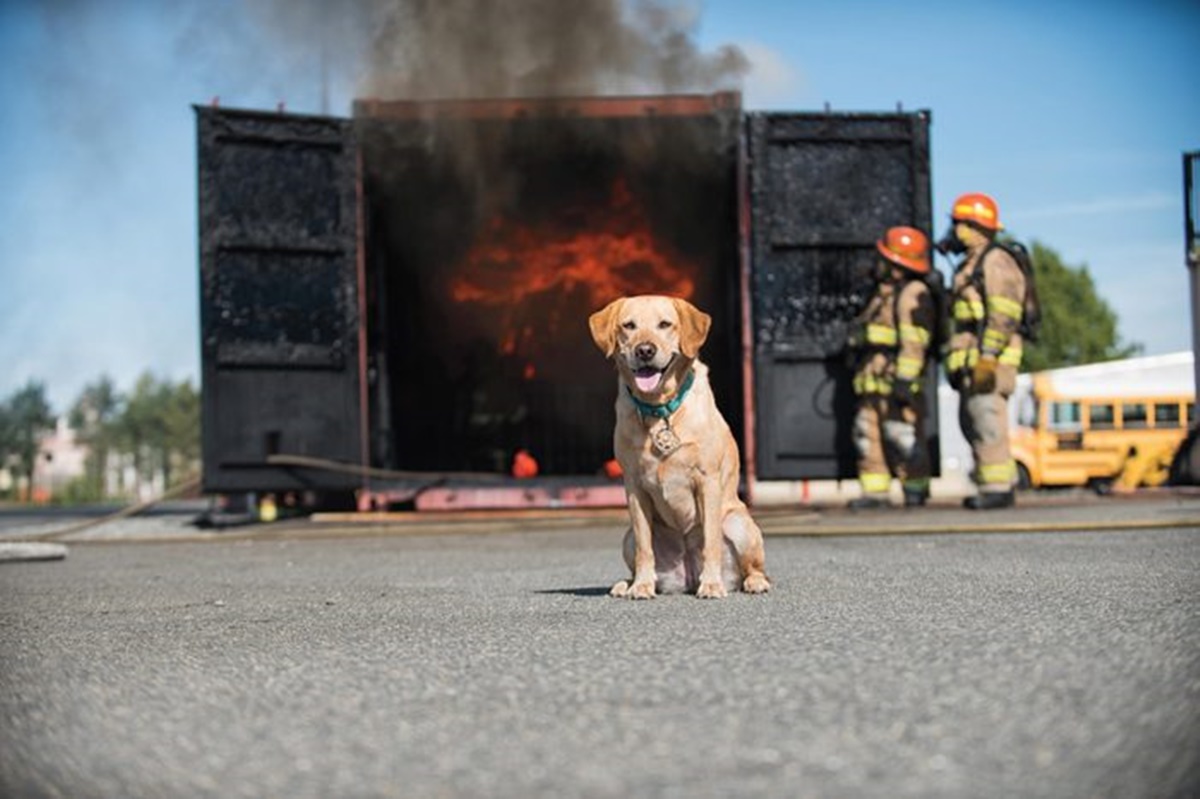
(1111, 426)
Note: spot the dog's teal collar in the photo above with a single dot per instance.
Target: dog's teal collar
(667, 408)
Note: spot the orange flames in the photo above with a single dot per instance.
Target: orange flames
(615, 254)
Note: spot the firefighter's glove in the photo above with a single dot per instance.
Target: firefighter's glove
(905, 392)
(983, 379)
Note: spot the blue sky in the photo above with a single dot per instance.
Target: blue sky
(1072, 115)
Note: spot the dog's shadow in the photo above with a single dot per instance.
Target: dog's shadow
(588, 591)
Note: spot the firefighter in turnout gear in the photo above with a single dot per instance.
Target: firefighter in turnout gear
(988, 294)
(897, 328)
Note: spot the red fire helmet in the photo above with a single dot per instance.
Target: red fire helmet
(906, 247)
(978, 208)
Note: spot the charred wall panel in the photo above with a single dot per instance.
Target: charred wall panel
(279, 317)
(823, 188)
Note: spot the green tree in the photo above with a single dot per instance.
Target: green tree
(8, 441)
(1078, 326)
(181, 431)
(159, 426)
(138, 430)
(93, 417)
(24, 419)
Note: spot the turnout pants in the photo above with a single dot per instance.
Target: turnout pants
(984, 422)
(890, 439)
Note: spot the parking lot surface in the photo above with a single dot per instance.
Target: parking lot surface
(458, 664)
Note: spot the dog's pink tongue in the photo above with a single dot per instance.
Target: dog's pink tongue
(647, 382)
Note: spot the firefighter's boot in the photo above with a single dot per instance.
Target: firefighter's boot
(990, 500)
(869, 502)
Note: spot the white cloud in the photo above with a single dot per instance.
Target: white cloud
(771, 78)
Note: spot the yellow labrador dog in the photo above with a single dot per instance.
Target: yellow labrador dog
(690, 530)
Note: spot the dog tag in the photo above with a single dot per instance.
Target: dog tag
(664, 440)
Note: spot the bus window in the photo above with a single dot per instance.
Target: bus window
(1101, 417)
(1133, 414)
(1166, 415)
(1191, 413)
(1065, 416)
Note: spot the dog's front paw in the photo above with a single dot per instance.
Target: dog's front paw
(619, 590)
(643, 590)
(712, 589)
(756, 584)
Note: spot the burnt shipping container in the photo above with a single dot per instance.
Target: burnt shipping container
(396, 303)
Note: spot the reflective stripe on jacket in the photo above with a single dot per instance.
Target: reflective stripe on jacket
(985, 322)
(898, 334)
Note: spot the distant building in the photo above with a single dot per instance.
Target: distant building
(61, 460)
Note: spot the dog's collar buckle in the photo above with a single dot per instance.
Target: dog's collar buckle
(663, 410)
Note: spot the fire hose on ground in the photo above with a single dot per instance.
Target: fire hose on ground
(774, 524)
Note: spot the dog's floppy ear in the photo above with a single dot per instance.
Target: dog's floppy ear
(604, 327)
(693, 327)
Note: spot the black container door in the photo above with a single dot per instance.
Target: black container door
(823, 188)
(279, 313)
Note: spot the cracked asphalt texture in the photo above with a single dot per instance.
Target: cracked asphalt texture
(469, 665)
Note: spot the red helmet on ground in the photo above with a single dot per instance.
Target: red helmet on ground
(978, 208)
(906, 247)
(524, 465)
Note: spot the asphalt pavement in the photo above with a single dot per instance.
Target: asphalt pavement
(454, 663)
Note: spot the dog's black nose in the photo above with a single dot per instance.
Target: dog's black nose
(645, 351)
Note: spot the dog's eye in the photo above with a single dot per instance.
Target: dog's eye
(664, 324)
(630, 325)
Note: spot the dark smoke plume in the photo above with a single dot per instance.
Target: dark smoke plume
(425, 49)
(457, 48)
